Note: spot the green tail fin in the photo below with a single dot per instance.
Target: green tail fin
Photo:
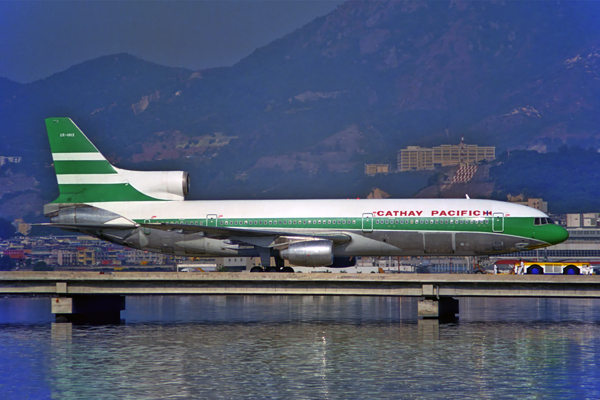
(83, 173)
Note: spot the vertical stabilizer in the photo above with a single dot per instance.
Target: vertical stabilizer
(85, 176)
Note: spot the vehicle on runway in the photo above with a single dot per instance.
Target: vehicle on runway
(557, 268)
(147, 210)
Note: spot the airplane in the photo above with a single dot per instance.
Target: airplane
(148, 211)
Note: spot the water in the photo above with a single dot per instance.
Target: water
(280, 347)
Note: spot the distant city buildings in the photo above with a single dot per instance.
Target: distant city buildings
(82, 252)
(373, 169)
(415, 158)
(587, 220)
(538, 204)
(5, 160)
(22, 227)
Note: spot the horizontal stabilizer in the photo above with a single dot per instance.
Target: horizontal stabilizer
(76, 226)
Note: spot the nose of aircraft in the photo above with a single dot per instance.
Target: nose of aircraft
(558, 234)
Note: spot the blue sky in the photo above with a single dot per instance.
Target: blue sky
(39, 38)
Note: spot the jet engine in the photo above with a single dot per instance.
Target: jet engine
(317, 253)
(164, 185)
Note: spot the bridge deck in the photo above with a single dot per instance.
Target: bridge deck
(157, 283)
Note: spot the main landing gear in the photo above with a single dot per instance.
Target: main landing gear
(272, 269)
(279, 267)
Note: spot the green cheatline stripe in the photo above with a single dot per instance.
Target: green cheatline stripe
(83, 167)
(91, 193)
(65, 137)
(513, 226)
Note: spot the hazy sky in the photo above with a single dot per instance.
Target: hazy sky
(39, 38)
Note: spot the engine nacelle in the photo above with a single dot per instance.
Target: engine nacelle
(163, 185)
(317, 253)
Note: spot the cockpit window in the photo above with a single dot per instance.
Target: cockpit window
(542, 221)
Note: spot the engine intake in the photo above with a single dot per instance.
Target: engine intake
(318, 253)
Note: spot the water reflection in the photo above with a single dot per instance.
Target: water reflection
(224, 347)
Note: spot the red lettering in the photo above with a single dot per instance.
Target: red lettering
(463, 213)
(434, 213)
(443, 214)
(380, 213)
(419, 213)
(477, 213)
(451, 213)
(395, 213)
(389, 214)
(403, 213)
(411, 214)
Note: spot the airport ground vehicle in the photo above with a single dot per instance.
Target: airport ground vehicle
(557, 268)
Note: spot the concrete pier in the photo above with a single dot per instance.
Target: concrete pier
(91, 309)
(444, 308)
(419, 285)
(78, 295)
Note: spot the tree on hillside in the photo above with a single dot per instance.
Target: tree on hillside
(6, 263)
(7, 230)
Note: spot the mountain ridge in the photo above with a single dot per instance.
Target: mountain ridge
(383, 75)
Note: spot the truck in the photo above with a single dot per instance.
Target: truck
(556, 268)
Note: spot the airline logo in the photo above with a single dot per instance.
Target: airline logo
(432, 213)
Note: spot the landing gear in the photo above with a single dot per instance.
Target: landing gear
(265, 259)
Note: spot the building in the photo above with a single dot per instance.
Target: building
(372, 169)
(588, 220)
(4, 160)
(22, 227)
(415, 158)
(538, 204)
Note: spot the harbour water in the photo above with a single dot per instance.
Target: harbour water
(287, 347)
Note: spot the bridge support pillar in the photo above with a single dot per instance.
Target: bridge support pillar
(438, 308)
(89, 309)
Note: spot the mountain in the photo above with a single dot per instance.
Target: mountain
(8, 88)
(301, 116)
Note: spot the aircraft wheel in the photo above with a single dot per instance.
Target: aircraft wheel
(256, 269)
(272, 269)
(571, 270)
(287, 269)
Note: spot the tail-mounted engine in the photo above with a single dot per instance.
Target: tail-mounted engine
(163, 185)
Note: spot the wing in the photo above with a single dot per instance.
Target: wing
(252, 236)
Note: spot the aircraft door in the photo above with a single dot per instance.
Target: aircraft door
(367, 222)
(498, 222)
(211, 220)
(146, 230)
